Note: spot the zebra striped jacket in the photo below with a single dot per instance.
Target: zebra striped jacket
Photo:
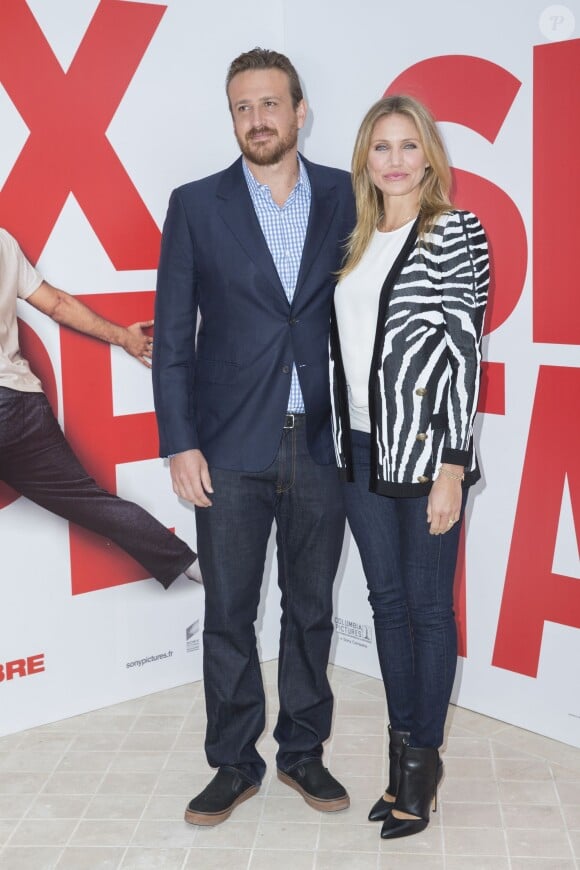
(425, 369)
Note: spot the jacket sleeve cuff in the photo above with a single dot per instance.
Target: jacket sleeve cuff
(455, 457)
(171, 447)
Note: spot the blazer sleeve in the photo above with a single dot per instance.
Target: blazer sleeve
(176, 305)
(464, 266)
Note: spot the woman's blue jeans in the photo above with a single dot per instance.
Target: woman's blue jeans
(410, 580)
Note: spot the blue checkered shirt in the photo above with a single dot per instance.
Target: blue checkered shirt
(284, 229)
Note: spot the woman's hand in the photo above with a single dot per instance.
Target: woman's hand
(444, 502)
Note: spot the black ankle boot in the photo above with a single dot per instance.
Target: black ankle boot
(420, 772)
(381, 809)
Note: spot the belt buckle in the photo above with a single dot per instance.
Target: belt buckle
(289, 421)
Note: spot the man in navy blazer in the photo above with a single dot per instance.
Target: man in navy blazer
(243, 408)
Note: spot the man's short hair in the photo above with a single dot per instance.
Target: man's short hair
(263, 58)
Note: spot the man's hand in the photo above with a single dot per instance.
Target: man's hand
(137, 343)
(444, 502)
(190, 477)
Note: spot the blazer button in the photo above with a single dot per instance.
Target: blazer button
(285, 369)
(423, 479)
(292, 321)
(420, 391)
(422, 436)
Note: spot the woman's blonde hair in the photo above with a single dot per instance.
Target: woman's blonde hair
(435, 186)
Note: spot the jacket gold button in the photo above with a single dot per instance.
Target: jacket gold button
(422, 436)
(420, 391)
(423, 479)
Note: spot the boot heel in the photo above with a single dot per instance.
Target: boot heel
(438, 779)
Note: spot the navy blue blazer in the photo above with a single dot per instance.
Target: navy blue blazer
(226, 391)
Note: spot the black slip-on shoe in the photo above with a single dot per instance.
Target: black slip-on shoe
(317, 786)
(227, 790)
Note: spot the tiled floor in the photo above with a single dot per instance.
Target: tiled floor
(108, 790)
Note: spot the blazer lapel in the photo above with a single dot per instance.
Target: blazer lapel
(322, 208)
(238, 213)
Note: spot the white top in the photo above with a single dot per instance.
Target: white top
(18, 278)
(356, 302)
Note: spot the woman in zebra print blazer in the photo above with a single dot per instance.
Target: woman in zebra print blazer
(405, 363)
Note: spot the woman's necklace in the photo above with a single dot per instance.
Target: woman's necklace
(383, 229)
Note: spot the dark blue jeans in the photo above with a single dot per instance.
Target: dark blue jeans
(305, 501)
(410, 580)
(37, 461)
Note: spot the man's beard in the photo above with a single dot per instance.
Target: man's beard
(267, 153)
